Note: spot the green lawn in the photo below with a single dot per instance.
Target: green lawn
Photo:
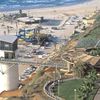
(67, 89)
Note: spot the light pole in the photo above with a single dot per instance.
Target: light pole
(75, 94)
(58, 88)
(58, 81)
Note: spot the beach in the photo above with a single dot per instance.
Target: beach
(81, 8)
(84, 8)
(59, 13)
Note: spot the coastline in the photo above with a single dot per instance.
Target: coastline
(59, 13)
(40, 6)
(82, 8)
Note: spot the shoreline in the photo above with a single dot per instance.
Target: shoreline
(63, 11)
(18, 7)
(59, 13)
(87, 5)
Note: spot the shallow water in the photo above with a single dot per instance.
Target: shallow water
(25, 4)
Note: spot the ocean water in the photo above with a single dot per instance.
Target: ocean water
(26, 4)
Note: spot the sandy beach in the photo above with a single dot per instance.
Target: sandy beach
(84, 8)
(59, 13)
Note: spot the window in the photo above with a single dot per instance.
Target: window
(7, 45)
(9, 55)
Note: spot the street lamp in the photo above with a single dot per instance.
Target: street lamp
(75, 94)
(58, 88)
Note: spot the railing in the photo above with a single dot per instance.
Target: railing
(49, 64)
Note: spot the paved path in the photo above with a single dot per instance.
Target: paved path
(97, 96)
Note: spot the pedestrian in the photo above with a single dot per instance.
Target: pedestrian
(4, 32)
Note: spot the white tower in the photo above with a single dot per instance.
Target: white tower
(9, 77)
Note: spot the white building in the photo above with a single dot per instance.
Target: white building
(9, 77)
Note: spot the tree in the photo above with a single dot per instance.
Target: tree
(88, 84)
(79, 69)
(92, 76)
(83, 92)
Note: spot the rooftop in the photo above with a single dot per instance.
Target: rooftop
(8, 38)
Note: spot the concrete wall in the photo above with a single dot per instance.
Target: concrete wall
(9, 78)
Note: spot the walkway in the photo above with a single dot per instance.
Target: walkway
(14, 61)
(97, 96)
(48, 89)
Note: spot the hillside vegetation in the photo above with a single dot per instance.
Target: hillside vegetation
(92, 37)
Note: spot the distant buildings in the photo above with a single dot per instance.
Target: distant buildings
(29, 20)
(88, 22)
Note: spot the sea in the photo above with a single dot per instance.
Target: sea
(6, 5)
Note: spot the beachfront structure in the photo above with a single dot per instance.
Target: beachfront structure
(29, 20)
(9, 77)
(88, 22)
(13, 16)
(90, 15)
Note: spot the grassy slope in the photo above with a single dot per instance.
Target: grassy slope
(66, 90)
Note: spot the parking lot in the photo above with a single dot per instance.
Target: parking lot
(27, 72)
